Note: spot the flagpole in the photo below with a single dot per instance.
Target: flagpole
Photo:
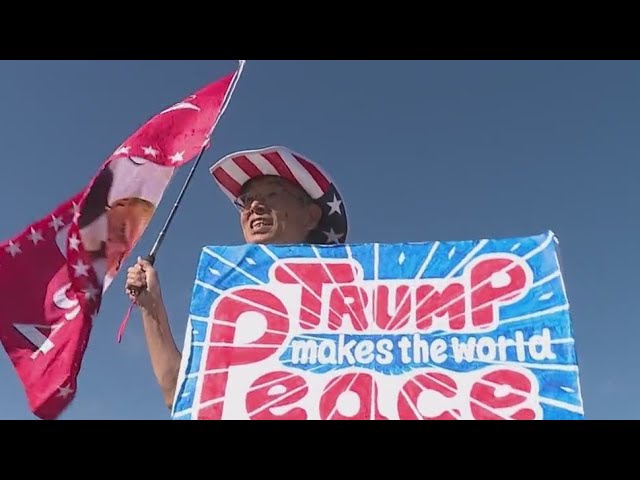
(151, 258)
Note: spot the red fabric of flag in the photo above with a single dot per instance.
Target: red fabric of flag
(54, 273)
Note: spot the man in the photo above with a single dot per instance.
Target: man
(282, 198)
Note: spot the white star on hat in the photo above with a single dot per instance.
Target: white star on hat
(333, 237)
(335, 205)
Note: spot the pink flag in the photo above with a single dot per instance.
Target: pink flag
(53, 274)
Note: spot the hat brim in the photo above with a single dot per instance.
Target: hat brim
(233, 171)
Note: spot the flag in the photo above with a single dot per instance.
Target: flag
(54, 273)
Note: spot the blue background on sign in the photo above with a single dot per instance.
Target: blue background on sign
(545, 306)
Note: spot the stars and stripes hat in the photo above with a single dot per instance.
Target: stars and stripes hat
(234, 170)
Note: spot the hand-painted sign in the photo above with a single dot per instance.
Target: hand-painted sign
(442, 330)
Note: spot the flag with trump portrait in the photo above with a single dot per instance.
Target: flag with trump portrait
(471, 330)
(53, 274)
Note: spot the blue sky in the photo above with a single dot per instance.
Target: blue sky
(422, 150)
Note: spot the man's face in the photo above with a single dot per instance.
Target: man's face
(274, 211)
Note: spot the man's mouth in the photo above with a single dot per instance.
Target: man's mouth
(260, 224)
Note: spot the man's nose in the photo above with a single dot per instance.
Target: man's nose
(257, 207)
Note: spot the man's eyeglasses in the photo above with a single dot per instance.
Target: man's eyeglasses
(244, 202)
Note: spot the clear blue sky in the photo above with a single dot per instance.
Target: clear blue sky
(422, 150)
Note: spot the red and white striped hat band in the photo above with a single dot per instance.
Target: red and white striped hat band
(236, 169)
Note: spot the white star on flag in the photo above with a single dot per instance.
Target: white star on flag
(74, 241)
(81, 269)
(90, 293)
(150, 151)
(56, 223)
(122, 151)
(75, 211)
(178, 157)
(64, 392)
(335, 205)
(35, 236)
(13, 249)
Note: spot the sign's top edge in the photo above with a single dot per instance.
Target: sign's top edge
(537, 237)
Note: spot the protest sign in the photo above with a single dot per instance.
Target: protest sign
(477, 330)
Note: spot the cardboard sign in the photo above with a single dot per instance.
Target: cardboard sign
(422, 331)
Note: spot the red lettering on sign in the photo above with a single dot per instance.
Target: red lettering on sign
(468, 302)
(350, 301)
(363, 386)
(408, 400)
(230, 309)
(487, 399)
(214, 388)
(432, 303)
(388, 319)
(355, 396)
(225, 353)
(494, 281)
(312, 276)
(276, 390)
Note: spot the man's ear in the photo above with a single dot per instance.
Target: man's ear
(314, 214)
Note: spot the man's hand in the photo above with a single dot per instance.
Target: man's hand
(143, 285)
(143, 288)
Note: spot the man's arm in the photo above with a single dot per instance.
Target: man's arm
(143, 287)
(164, 354)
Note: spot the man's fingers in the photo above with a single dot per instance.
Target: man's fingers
(133, 291)
(136, 277)
(136, 280)
(135, 272)
(144, 264)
